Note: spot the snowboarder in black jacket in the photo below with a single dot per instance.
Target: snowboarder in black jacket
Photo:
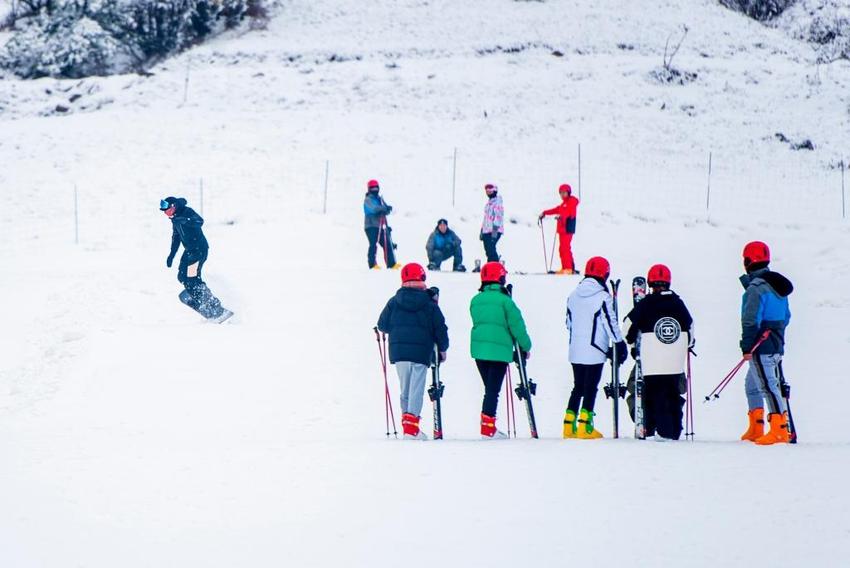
(664, 326)
(186, 230)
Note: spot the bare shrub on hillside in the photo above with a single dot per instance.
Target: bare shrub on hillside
(667, 73)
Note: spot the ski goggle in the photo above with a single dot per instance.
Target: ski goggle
(163, 205)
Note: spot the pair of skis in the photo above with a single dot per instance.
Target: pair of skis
(614, 390)
(524, 391)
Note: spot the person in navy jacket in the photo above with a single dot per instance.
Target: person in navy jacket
(415, 324)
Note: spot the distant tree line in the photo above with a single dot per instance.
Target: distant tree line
(80, 38)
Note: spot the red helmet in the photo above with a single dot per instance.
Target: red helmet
(756, 251)
(659, 273)
(597, 267)
(372, 183)
(411, 272)
(493, 272)
(565, 187)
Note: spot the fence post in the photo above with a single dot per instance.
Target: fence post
(76, 218)
(454, 176)
(708, 189)
(579, 170)
(327, 172)
(186, 81)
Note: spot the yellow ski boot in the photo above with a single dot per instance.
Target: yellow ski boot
(569, 424)
(585, 429)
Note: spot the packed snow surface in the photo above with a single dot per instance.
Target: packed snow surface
(133, 434)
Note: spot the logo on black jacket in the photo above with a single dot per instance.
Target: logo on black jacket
(668, 330)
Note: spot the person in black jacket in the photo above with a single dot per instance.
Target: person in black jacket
(662, 331)
(414, 322)
(186, 230)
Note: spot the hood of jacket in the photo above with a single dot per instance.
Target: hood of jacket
(412, 299)
(775, 280)
(589, 287)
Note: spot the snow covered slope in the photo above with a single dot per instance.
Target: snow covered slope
(132, 434)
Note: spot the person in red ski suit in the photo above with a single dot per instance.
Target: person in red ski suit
(566, 213)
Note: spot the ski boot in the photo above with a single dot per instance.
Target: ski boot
(585, 429)
(756, 428)
(569, 424)
(778, 433)
(374, 267)
(432, 266)
(396, 266)
(459, 268)
(488, 429)
(410, 426)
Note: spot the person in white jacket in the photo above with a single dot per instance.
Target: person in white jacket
(593, 328)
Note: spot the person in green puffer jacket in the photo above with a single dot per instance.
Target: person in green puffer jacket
(496, 323)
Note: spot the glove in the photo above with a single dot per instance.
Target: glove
(634, 352)
(389, 209)
(495, 233)
(442, 356)
(540, 218)
(622, 352)
(169, 260)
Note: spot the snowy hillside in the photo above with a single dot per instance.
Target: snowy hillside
(133, 434)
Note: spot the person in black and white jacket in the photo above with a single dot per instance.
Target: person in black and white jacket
(664, 327)
(593, 328)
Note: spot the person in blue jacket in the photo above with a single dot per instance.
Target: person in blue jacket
(442, 245)
(375, 211)
(764, 308)
(415, 324)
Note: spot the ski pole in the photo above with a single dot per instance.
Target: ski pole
(689, 409)
(552, 254)
(728, 378)
(543, 239)
(785, 390)
(509, 399)
(388, 405)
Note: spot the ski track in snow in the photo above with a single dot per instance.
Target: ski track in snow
(134, 434)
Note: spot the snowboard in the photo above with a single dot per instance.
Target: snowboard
(211, 311)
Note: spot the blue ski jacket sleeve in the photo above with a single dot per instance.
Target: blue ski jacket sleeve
(764, 306)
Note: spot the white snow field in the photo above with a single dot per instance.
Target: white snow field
(134, 434)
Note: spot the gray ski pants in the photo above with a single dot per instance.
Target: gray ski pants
(762, 383)
(411, 377)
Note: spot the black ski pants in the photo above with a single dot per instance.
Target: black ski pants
(190, 257)
(383, 237)
(490, 246)
(492, 375)
(662, 405)
(586, 382)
